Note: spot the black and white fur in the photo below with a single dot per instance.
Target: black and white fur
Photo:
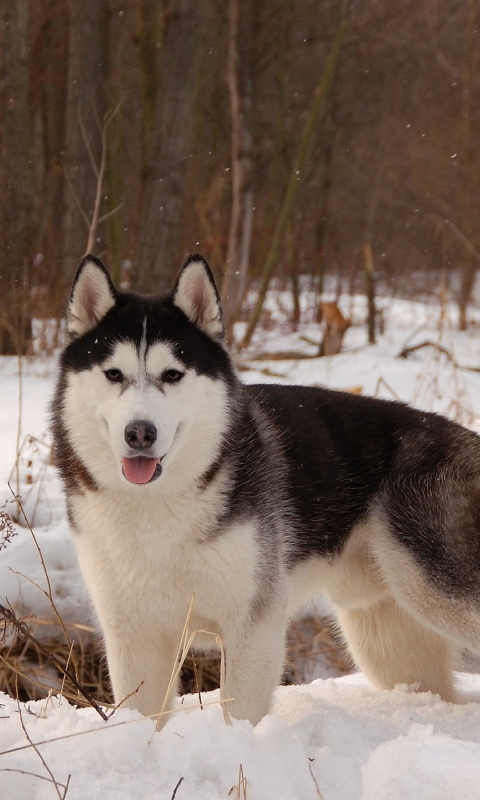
(253, 499)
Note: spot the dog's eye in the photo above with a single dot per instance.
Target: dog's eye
(172, 376)
(113, 375)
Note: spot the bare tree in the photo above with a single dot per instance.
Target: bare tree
(468, 161)
(86, 105)
(15, 181)
(215, 99)
(49, 21)
(161, 236)
(317, 106)
(241, 107)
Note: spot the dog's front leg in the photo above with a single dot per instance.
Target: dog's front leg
(140, 670)
(254, 655)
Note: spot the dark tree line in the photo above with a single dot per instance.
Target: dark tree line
(149, 129)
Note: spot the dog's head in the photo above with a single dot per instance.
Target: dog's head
(144, 381)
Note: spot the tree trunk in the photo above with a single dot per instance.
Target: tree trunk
(159, 250)
(293, 271)
(86, 106)
(16, 182)
(329, 132)
(241, 219)
(50, 58)
(369, 273)
(336, 327)
(469, 265)
(288, 204)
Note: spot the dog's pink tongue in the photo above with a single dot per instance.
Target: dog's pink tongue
(139, 469)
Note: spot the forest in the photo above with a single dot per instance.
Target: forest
(285, 139)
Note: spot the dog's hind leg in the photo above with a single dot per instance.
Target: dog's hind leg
(390, 646)
(450, 611)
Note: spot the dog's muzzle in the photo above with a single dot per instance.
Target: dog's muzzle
(141, 435)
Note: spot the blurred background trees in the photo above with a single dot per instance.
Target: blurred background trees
(211, 102)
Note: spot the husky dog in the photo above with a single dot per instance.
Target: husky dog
(182, 481)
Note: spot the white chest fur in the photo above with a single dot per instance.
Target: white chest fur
(142, 563)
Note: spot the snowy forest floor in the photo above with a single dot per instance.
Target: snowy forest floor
(336, 737)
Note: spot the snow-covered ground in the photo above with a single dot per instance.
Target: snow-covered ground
(339, 739)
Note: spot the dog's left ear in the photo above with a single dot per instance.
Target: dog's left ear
(93, 295)
(196, 295)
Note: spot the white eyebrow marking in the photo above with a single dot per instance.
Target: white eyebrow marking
(160, 356)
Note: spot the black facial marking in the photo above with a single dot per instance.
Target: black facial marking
(125, 322)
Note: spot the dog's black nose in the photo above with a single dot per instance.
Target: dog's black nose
(140, 434)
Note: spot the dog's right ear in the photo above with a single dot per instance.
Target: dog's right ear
(93, 295)
(196, 295)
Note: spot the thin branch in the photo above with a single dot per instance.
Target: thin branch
(407, 350)
(87, 143)
(197, 682)
(456, 230)
(110, 214)
(101, 173)
(48, 594)
(19, 423)
(283, 355)
(185, 643)
(382, 382)
(45, 765)
(32, 775)
(77, 201)
(176, 789)
(66, 667)
(180, 657)
(319, 794)
(117, 706)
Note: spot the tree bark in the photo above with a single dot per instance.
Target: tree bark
(15, 182)
(469, 265)
(159, 250)
(86, 106)
(241, 218)
(49, 101)
(318, 104)
(329, 133)
(369, 273)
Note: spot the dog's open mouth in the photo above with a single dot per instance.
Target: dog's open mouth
(141, 469)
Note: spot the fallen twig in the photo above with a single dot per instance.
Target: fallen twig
(282, 355)
(176, 788)
(320, 795)
(405, 352)
(52, 778)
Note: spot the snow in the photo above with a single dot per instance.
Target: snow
(352, 740)
(337, 738)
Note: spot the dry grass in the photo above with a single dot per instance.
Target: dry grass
(313, 649)
(26, 669)
(32, 670)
